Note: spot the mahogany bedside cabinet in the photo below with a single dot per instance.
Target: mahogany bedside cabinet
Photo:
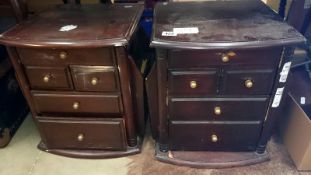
(83, 87)
(220, 72)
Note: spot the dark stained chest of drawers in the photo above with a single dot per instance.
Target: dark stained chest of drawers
(73, 65)
(215, 89)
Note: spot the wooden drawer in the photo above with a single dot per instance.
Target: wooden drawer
(247, 82)
(95, 78)
(200, 82)
(209, 136)
(106, 134)
(218, 109)
(56, 57)
(78, 103)
(48, 77)
(265, 57)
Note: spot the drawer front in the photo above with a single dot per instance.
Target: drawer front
(75, 134)
(205, 136)
(51, 103)
(95, 78)
(56, 57)
(248, 82)
(48, 77)
(193, 82)
(265, 57)
(218, 109)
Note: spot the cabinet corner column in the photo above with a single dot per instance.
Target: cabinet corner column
(161, 61)
(275, 106)
(126, 89)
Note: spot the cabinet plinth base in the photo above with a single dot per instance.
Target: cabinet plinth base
(5, 137)
(210, 159)
(92, 154)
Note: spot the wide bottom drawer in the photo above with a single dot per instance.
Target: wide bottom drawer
(214, 136)
(105, 134)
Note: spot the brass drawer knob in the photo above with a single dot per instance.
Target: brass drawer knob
(46, 78)
(63, 55)
(217, 110)
(225, 58)
(231, 54)
(76, 105)
(214, 138)
(193, 84)
(80, 137)
(94, 81)
(249, 83)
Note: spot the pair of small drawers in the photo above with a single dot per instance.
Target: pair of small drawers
(218, 100)
(76, 92)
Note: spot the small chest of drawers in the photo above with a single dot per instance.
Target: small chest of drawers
(76, 72)
(220, 73)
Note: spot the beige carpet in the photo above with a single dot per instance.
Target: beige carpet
(21, 157)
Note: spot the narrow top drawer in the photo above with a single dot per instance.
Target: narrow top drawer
(266, 57)
(91, 56)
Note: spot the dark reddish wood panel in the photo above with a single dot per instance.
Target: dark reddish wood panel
(242, 24)
(83, 134)
(262, 57)
(95, 78)
(199, 136)
(48, 77)
(87, 25)
(245, 81)
(199, 82)
(75, 103)
(56, 57)
(218, 109)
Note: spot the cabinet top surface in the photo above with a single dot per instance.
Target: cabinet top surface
(91, 25)
(220, 24)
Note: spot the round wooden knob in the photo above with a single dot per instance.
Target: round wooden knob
(94, 81)
(214, 138)
(193, 84)
(249, 83)
(75, 105)
(63, 55)
(80, 137)
(46, 78)
(225, 58)
(217, 110)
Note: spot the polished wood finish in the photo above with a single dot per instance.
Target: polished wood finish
(108, 29)
(126, 90)
(211, 159)
(262, 57)
(247, 81)
(76, 103)
(193, 82)
(242, 25)
(230, 109)
(75, 134)
(95, 78)
(48, 77)
(152, 95)
(56, 57)
(229, 136)
(215, 87)
(78, 83)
